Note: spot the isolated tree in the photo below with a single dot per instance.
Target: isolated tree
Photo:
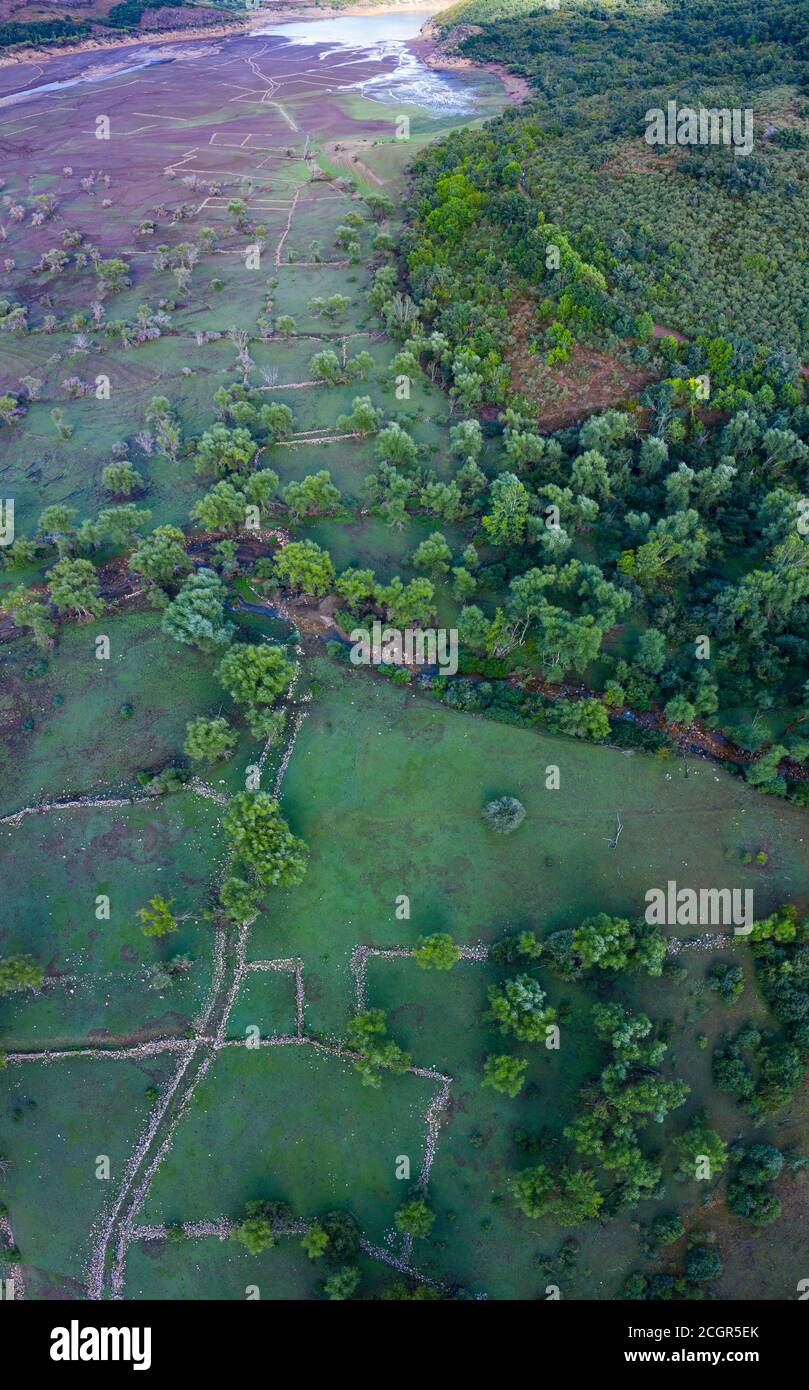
(367, 1035)
(255, 676)
(326, 366)
(262, 839)
(414, 1218)
(312, 496)
(504, 1073)
(113, 275)
(436, 952)
(121, 479)
(18, 973)
(364, 417)
(209, 740)
(196, 616)
(157, 918)
(504, 814)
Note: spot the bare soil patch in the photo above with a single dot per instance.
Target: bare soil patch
(589, 381)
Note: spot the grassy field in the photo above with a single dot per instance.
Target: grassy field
(96, 987)
(301, 1128)
(385, 785)
(52, 1189)
(388, 788)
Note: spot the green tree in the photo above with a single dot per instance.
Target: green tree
(394, 445)
(584, 719)
(367, 1035)
(305, 567)
(262, 839)
(679, 710)
(519, 1007)
(121, 479)
(364, 417)
(702, 1264)
(255, 676)
(315, 1240)
(414, 1218)
(28, 610)
(239, 899)
(506, 523)
(436, 952)
(567, 1195)
(406, 604)
(342, 1284)
(312, 496)
(157, 918)
(209, 740)
(196, 616)
(73, 585)
(700, 1152)
(433, 554)
(504, 1073)
(160, 555)
(56, 526)
(18, 973)
(222, 450)
(223, 508)
(255, 1233)
(326, 366)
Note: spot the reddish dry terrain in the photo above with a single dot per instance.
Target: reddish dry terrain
(588, 382)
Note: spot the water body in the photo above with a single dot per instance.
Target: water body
(403, 79)
(382, 38)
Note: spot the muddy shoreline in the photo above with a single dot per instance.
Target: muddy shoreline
(218, 30)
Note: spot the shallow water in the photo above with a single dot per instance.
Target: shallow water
(403, 79)
(380, 38)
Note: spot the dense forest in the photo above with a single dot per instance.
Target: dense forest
(679, 513)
